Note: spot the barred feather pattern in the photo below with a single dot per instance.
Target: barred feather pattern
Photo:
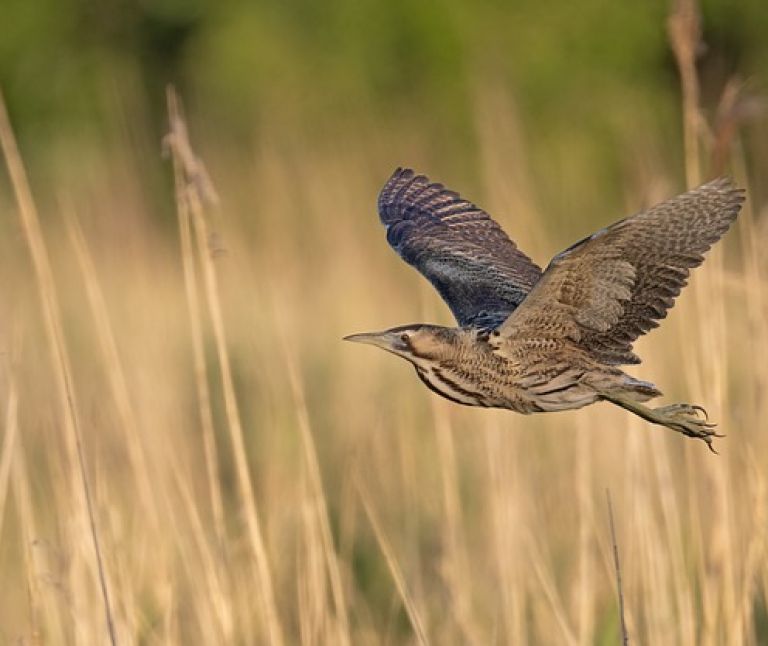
(476, 268)
(605, 291)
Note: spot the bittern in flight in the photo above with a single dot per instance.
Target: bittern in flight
(534, 341)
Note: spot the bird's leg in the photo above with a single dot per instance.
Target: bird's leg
(688, 419)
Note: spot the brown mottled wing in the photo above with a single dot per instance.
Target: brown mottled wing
(476, 268)
(607, 290)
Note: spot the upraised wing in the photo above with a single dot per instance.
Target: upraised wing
(607, 290)
(479, 272)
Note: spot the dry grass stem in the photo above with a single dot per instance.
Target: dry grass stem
(342, 635)
(198, 352)
(617, 566)
(59, 356)
(685, 38)
(414, 615)
(117, 380)
(197, 190)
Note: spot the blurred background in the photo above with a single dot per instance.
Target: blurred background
(253, 479)
(591, 84)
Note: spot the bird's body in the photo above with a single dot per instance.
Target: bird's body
(533, 341)
(474, 367)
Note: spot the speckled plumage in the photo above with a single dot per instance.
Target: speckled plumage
(532, 341)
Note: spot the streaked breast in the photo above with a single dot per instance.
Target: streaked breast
(451, 386)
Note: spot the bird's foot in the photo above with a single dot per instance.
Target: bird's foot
(688, 419)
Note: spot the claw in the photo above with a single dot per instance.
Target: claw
(690, 420)
(702, 410)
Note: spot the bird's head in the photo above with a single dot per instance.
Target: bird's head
(412, 342)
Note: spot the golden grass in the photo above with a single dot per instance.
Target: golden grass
(255, 480)
(79, 479)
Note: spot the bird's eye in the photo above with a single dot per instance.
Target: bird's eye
(404, 337)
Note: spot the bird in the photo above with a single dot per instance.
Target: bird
(534, 341)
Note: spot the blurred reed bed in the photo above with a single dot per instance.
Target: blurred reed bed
(256, 480)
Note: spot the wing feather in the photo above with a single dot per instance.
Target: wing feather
(476, 268)
(609, 289)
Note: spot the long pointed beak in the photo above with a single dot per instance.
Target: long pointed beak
(379, 339)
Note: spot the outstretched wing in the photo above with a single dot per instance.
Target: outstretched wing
(476, 268)
(607, 290)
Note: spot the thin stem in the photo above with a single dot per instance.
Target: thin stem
(195, 191)
(685, 35)
(394, 568)
(617, 565)
(30, 223)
